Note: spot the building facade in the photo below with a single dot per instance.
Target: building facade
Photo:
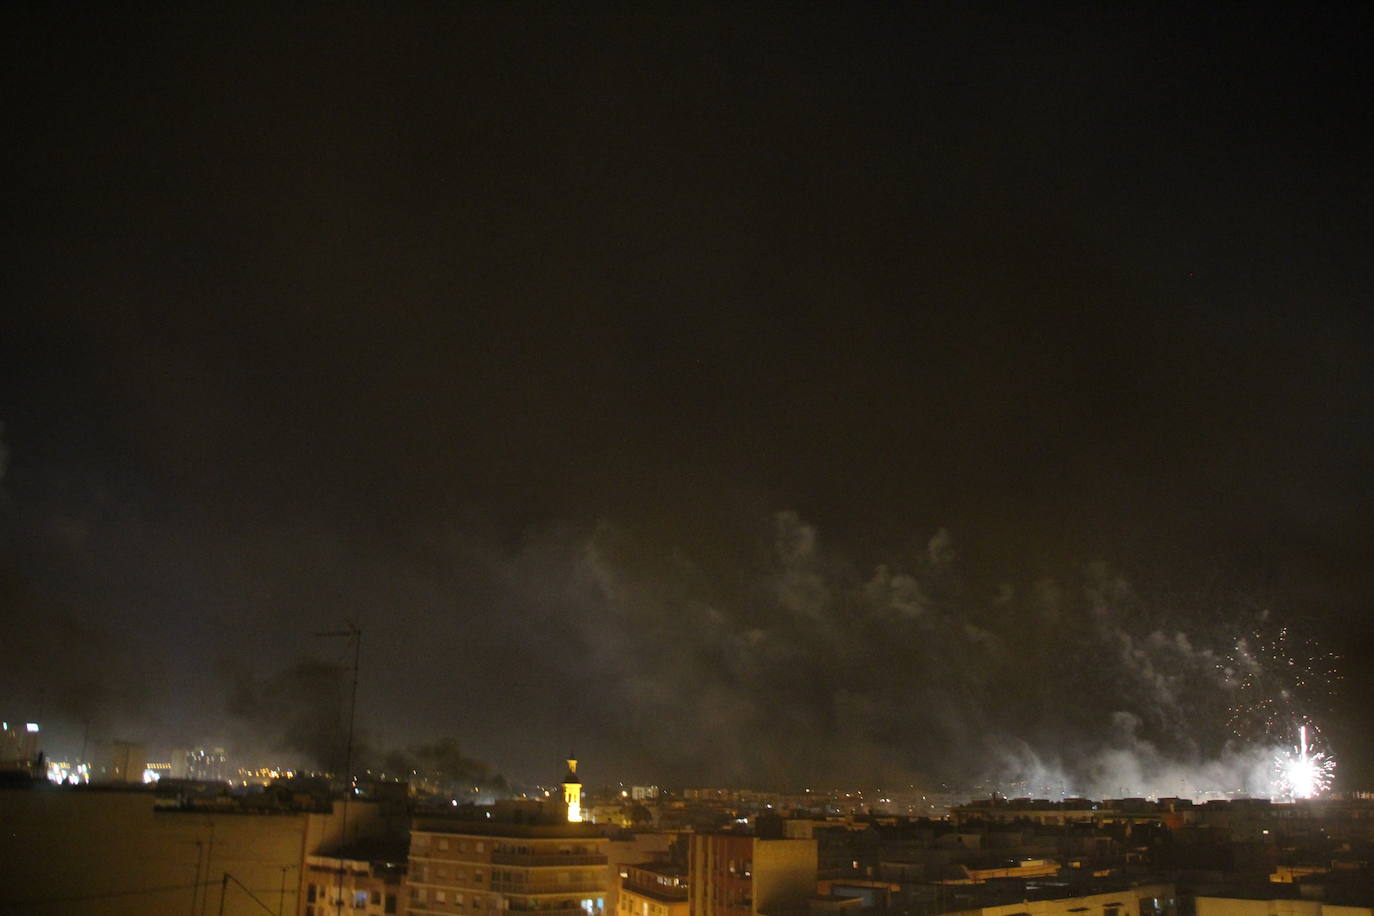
(740, 875)
(124, 762)
(19, 749)
(483, 868)
(352, 882)
(653, 889)
(204, 764)
(117, 850)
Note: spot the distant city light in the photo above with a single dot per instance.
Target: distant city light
(31, 727)
(63, 773)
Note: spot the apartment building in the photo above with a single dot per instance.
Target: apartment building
(363, 880)
(116, 852)
(479, 868)
(653, 889)
(736, 874)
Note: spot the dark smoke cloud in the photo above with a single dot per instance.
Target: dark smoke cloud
(445, 767)
(300, 712)
(92, 684)
(299, 716)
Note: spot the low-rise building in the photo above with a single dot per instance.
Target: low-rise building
(362, 879)
(117, 852)
(1286, 900)
(631, 848)
(1047, 899)
(653, 889)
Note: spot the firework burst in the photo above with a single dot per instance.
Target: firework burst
(1304, 771)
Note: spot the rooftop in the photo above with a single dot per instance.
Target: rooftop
(549, 830)
(669, 869)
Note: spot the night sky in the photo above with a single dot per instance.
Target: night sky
(760, 394)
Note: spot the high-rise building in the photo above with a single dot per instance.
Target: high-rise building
(124, 761)
(19, 748)
(736, 874)
(202, 764)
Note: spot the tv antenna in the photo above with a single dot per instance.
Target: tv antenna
(356, 635)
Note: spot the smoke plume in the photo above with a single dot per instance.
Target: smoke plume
(808, 668)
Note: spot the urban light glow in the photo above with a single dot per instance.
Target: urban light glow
(62, 772)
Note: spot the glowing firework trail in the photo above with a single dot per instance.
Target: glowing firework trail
(1303, 772)
(1275, 679)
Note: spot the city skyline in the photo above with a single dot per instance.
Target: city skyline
(750, 395)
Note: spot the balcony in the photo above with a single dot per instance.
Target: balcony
(548, 887)
(549, 911)
(528, 860)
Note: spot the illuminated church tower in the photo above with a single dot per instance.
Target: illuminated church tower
(572, 791)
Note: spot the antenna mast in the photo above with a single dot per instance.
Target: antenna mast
(356, 635)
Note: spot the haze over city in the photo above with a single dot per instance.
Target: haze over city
(750, 395)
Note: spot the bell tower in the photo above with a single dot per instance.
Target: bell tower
(572, 791)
